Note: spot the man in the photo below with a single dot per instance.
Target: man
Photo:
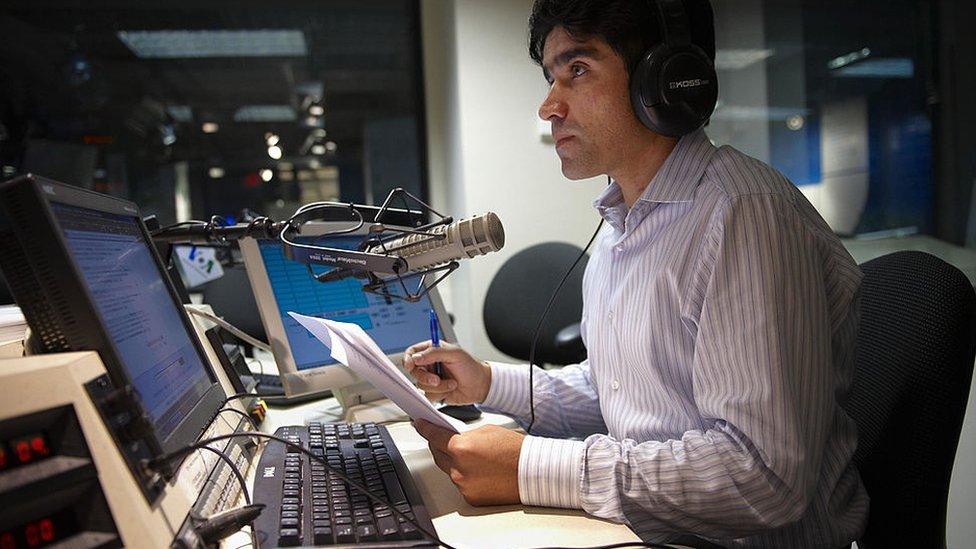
(719, 318)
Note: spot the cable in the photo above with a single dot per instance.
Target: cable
(260, 365)
(618, 546)
(542, 319)
(176, 454)
(238, 396)
(232, 329)
(242, 414)
(233, 467)
(237, 473)
(222, 524)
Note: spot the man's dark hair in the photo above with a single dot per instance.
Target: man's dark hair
(629, 27)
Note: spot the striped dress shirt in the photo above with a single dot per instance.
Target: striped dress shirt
(720, 317)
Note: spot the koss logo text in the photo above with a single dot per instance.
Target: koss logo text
(688, 83)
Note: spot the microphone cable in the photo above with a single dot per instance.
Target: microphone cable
(542, 319)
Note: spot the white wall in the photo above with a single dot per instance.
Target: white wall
(485, 152)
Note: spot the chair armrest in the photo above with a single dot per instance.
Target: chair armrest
(569, 338)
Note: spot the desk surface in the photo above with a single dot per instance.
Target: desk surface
(457, 522)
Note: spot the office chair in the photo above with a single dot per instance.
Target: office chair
(914, 364)
(518, 294)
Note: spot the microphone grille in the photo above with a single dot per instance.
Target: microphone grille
(495, 231)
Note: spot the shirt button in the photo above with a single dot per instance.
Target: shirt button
(610, 315)
(615, 385)
(619, 248)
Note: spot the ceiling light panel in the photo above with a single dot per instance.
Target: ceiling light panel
(180, 44)
(881, 67)
(265, 113)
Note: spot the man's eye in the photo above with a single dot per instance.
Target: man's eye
(577, 70)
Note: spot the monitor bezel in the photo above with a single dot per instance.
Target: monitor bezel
(196, 421)
(330, 376)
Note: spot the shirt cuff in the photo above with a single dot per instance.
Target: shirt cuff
(549, 472)
(509, 391)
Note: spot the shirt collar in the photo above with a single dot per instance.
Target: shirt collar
(675, 181)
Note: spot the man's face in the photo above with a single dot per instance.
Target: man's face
(588, 105)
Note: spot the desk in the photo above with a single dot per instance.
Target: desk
(457, 522)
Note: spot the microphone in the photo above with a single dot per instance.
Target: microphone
(468, 237)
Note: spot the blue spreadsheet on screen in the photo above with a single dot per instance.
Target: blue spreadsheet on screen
(393, 324)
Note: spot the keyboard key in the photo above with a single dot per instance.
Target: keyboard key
(393, 488)
(289, 514)
(322, 536)
(288, 537)
(343, 521)
(387, 528)
(409, 531)
(345, 534)
(289, 523)
(366, 532)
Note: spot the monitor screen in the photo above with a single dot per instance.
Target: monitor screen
(394, 324)
(138, 311)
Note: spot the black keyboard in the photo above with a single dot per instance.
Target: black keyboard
(307, 505)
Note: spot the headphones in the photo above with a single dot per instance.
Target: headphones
(674, 87)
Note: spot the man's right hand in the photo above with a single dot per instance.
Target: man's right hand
(466, 380)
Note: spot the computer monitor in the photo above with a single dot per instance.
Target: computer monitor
(82, 267)
(281, 285)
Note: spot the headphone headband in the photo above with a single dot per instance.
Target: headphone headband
(675, 29)
(673, 89)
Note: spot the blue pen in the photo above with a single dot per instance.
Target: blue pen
(435, 340)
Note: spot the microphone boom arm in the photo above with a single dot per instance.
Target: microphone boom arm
(368, 265)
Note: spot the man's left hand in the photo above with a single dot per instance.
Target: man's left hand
(483, 463)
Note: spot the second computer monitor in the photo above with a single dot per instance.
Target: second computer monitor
(281, 285)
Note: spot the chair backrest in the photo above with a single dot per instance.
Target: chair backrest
(913, 370)
(518, 294)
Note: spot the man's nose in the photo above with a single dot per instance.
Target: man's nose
(553, 106)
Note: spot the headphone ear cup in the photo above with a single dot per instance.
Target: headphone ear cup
(674, 91)
(645, 93)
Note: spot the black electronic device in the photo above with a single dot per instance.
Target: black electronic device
(461, 412)
(267, 387)
(674, 87)
(306, 505)
(49, 484)
(82, 268)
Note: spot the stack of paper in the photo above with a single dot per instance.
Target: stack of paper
(352, 346)
(12, 323)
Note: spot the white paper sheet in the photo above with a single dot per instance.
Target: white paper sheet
(351, 345)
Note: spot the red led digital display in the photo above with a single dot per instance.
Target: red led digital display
(23, 450)
(40, 532)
